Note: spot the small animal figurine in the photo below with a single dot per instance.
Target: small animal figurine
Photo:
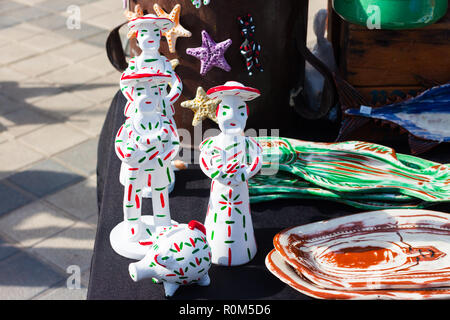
(146, 143)
(250, 49)
(180, 256)
(230, 159)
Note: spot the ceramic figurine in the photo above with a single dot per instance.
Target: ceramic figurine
(250, 49)
(147, 30)
(230, 159)
(146, 143)
(176, 30)
(179, 256)
(346, 170)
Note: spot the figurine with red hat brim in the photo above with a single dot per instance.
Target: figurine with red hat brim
(230, 159)
(146, 143)
(150, 62)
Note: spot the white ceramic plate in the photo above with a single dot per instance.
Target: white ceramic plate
(386, 249)
(286, 273)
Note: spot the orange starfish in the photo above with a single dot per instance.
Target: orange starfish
(130, 15)
(177, 29)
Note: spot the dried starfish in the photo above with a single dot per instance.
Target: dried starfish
(177, 30)
(203, 107)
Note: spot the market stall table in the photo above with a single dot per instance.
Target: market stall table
(109, 277)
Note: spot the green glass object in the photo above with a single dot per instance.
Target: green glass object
(361, 174)
(286, 186)
(391, 14)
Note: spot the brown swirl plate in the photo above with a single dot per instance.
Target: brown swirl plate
(386, 249)
(286, 273)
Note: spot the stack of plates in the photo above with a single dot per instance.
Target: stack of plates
(386, 254)
(361, 174)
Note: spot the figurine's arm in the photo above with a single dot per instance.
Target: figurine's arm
(210, 162)
(126, 149)
(213, 165)
(254, 160)
(163, 142)
(171, 140)
(175, 89)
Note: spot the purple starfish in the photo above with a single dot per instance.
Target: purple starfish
(210, 54)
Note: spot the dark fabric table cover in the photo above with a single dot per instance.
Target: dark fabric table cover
(109, 277)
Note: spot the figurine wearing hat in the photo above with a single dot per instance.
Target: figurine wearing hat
(147, 30)
(146, 143)
(230, 159)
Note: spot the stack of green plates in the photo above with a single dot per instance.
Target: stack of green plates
(361, 174)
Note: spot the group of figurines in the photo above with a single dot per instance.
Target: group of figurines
(174, 253)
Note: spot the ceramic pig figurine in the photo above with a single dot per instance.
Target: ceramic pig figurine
(179, 256)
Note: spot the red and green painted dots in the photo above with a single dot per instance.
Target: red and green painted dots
(180, 256)
(158, 64)
(200, 258)
(228, 221)
(143, 32)
(230, 218)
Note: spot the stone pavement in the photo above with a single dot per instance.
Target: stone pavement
(56, 85)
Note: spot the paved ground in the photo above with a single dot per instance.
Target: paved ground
(56, 85)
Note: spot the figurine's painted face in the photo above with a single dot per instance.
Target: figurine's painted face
(149, 37)
(147, 96)
(232, 114)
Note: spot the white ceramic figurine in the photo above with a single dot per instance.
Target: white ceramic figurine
(146, 143)
(230, 159)
(148, 30)
(180, 256)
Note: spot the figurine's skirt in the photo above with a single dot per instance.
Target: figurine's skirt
(229, 225)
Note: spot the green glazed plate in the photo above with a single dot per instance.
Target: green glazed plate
(391, 14)
(285, 186)
(352, 171)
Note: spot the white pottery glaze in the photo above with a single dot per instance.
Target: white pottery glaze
(148, 31)
(146, 144)
(230, 159)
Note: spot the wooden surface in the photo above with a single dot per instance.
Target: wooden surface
(373, 59)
